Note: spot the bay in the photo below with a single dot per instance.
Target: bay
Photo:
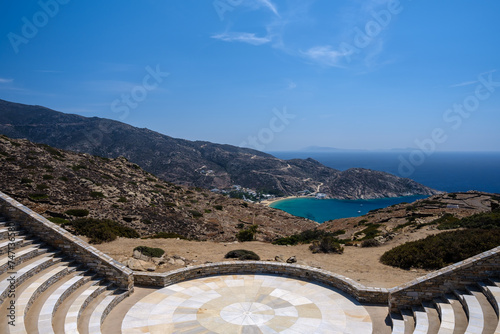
(445, 171)
(321, 210)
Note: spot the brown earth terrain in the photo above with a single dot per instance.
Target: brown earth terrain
(359, 263)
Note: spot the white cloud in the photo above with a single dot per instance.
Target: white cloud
(3, 80)
(270, 6)
(324, 55)
(243, 37)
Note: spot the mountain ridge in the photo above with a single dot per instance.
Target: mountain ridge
(197, 163)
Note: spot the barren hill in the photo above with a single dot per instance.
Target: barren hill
(53, 181)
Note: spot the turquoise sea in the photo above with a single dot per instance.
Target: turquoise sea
(322, 210)
(446, 171)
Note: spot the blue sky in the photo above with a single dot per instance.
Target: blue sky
(268, 74)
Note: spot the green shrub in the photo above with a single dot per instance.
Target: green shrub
(370, 243)
(245, 235)
(196, 214)
(42, 186)
(484, 220)
(248, 234)
(97, 194)
(242, 254)
(218, 207)
(122, 200)
(170, 204)
(47, 177)
(58, 220)
(150, 251)
(208, 211)
(64, 178)
(101, 230)
(437, 251)
(370, 232)
(327, 244)
(77, 212)
(38, 196)
(26, 181)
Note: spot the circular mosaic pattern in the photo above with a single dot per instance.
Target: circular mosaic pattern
(247, 313)
(246, 304)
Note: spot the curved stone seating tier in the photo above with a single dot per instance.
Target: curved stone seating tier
(474, 312)
(492, 292)
(79, 305)
(28, 296)
(52, 303)
(15, 244)
(103, 308)
(432, 317)
(447, 316)
(421, 320)
(398, 323)
(4, 232)
(26, 272)
(21, 255)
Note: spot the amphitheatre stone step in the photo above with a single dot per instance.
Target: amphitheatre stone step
(432, 316)
(24, 273)
(398, 323)
(103, 308)
(461, 320)
(4, 232)
(6, 245)
(55, 299)
(20, 255)
(43, 281)
(409, 320)
(488, 310)
(474, 312)
(447, 316)
(492, 292)
(421, 320)
(80, 304)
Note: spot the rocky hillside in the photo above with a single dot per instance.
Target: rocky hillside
(400, 221)
(52, 181)
(197, 163)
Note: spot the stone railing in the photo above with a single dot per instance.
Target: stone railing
(439, 282)
(69, 244)
(345, 284)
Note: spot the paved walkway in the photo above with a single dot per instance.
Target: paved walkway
(247, 304)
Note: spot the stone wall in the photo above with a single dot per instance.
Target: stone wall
(69, 244)
(445, 280)
(345, 284)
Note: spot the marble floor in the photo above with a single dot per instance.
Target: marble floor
(247, 304)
